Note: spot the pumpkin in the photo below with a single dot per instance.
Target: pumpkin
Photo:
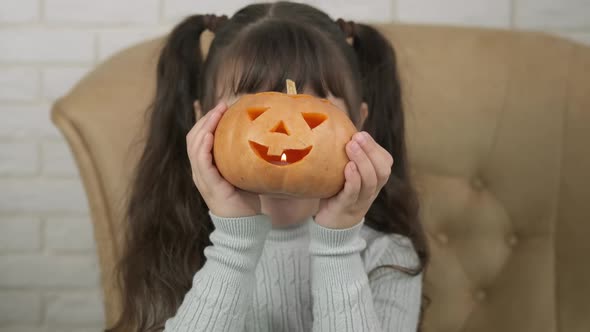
(283, 144)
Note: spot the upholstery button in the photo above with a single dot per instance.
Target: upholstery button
(442, 238)
(512, 240)
(477, 184)
(480, 295)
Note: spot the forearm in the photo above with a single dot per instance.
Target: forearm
(222, 290)
(342, 299)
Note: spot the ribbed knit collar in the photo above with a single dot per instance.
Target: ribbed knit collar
(293, 233)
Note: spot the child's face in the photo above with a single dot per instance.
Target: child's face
(339, 102)
(285, 208)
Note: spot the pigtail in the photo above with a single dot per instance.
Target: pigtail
(179, 69)
(385, 122)
(165, 211)
(381, 91)
(397, 201)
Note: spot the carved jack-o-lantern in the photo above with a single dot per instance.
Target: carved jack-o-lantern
(283, 144)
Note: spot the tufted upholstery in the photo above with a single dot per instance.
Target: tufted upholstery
(499, 127)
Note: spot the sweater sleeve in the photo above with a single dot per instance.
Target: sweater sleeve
(223, 288)
(343, 297)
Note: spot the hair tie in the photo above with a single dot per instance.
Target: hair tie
(348, 27)
(213, 22)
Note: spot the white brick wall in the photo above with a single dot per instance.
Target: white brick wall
(172, 10)
(551, 14)
(19, 84)
(20, 234)
(26, 121)
(102, 12)
(57, 159)
(458, 12)
(68, 235)
(18, 158)
(20, 307)
(113, 40)
(46, 45)
(57, 81)
(48, 269)
(25, 11)
(74, 309)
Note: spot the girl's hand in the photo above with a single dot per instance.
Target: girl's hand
(222, 198)
(366, 173)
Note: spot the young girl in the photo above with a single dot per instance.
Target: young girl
(202, 255)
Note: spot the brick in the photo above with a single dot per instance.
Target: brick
(362, 11)
(113, 41)
(69, 234)
(370, 11)
(19, 83)
(552, 14)
(65, 309)
(20, 121)
(57, 82)
(20, 234)
(42, 195)
(26, 271)
(22, 328)
(57, 159)
(104, 11)
(456, 12)
(63, 328)
(24, 11)
(19, 307)
(46, 45)
(174, 10)
(580, 37)
(19, 158)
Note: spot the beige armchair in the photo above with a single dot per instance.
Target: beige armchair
(499, 135)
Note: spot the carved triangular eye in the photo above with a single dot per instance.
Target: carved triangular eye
(254, 112)
(314, 119)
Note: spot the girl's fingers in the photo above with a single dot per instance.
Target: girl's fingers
(210, 122)
(196, 137)
(192, 147)
(190, 137)
(203, 168)
(198, 110)
(352, 186)
(365, 169)
(380, 158)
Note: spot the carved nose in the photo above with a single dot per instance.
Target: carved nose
(280, 128)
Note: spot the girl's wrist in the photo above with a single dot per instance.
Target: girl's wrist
(237, 244)
(229, 213)
(343, 221)
(255, 226)
(335, 255)
(335, 241)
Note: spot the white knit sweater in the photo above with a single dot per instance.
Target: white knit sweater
(303, 278)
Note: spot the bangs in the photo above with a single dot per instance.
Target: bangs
(268, 53)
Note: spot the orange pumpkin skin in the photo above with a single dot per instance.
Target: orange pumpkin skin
(259, 129)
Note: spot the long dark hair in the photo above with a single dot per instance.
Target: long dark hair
(256, 50)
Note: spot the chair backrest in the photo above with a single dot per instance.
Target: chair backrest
(498, 128)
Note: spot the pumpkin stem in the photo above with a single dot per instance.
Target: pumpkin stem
(291, 88)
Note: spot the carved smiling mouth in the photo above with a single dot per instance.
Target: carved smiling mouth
(288, 157)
